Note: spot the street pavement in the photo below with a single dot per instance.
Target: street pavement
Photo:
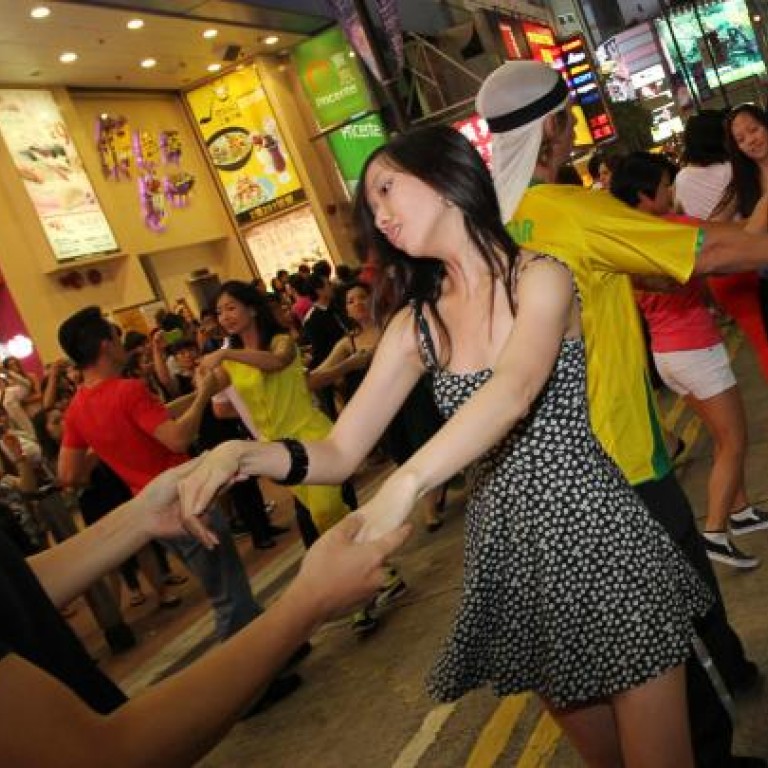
(363, 703)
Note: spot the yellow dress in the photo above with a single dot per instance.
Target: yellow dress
(280, 405)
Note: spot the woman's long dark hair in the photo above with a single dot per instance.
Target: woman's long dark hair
(746, 185)
(266, 324)
(442, 158)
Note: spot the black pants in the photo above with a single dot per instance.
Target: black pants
(711, 727)
(248, 502)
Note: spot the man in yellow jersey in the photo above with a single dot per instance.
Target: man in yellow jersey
(603, 241)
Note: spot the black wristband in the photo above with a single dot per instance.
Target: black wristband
(299, 462)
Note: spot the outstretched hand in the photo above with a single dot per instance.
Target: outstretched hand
(389, 508)
(214, 472)
(340, 572)
(159, 503)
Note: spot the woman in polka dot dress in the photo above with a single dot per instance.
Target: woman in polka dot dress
(570, 588)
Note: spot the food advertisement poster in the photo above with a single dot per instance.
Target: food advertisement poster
(53, 174)
(244, 143)
(286, 242)
(332, 78)
(352, 144)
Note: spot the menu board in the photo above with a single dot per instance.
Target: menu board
(240, 130)
(332, 78)
(53, 174)
(286, 242)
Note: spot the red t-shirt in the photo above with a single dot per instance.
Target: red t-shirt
(117, 418)
(679, 321)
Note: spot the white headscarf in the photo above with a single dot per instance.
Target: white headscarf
(514, 100)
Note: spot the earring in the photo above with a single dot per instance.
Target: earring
(447, 203)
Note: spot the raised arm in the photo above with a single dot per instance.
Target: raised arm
(280, 356)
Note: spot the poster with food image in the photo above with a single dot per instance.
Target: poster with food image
(240, 131)
(53, 174)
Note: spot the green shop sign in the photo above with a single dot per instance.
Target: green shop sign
(332, 78)
(352, 144)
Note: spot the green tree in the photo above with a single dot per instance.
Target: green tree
(633, 127)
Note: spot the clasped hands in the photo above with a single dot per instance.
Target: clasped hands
(352, 552)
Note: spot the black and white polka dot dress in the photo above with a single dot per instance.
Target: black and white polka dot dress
(571, 589)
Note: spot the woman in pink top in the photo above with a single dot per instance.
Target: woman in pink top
(693, 362)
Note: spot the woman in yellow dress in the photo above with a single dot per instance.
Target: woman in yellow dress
(262, 364)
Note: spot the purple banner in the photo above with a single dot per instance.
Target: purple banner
(389, 14)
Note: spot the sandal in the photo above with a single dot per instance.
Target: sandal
(138, 598)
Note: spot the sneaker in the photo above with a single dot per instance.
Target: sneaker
(729, 554)
(394, 588)
(363, 623)
(755, 519)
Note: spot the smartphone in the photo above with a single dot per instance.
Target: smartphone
(173, 336)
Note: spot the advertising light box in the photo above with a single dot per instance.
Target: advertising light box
(352, 144)
(332, 78)
(53, 174)
(244, 142)
(725, 35)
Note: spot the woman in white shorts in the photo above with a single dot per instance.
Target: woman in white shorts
(693, 362)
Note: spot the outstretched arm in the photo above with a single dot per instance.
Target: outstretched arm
(545, 308)
(395, 370)
(177, 721)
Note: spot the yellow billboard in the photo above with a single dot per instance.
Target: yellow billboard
(240, 131)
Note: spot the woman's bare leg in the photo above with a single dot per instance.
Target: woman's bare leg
(652, 721)
(592, 731)
(723, 416)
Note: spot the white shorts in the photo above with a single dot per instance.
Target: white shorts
(701, 373)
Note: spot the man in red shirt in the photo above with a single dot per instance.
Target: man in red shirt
(121, 422)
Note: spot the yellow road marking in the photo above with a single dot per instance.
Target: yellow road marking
(497, 732)
(425, 737)
(542, 744)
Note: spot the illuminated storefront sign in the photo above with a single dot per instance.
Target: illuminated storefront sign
(508, 38)
(476, 130)
(352, 144)
(719, 30)
(541, 39)
(245, 145)
(581, 78)
(52, 171)
(332, 78)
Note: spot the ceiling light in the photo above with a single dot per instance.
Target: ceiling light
(40, 12)
(214, 67)
(148, 63)
(68, 57)
(135, 24)
(208, 34)
(271, 40)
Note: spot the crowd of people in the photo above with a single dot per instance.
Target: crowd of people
(510, 305)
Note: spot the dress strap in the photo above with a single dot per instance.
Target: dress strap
(426, 345)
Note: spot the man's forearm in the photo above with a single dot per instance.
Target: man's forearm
(189, 421)
(726, 250)
(68, 569)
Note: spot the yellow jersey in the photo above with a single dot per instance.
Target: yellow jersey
(602, 241)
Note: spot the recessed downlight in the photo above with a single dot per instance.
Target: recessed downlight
(271, 40)
(135, 24)
(40, 12)
(209, 34)
(68, 57)
(214, 67)
(148, 63)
